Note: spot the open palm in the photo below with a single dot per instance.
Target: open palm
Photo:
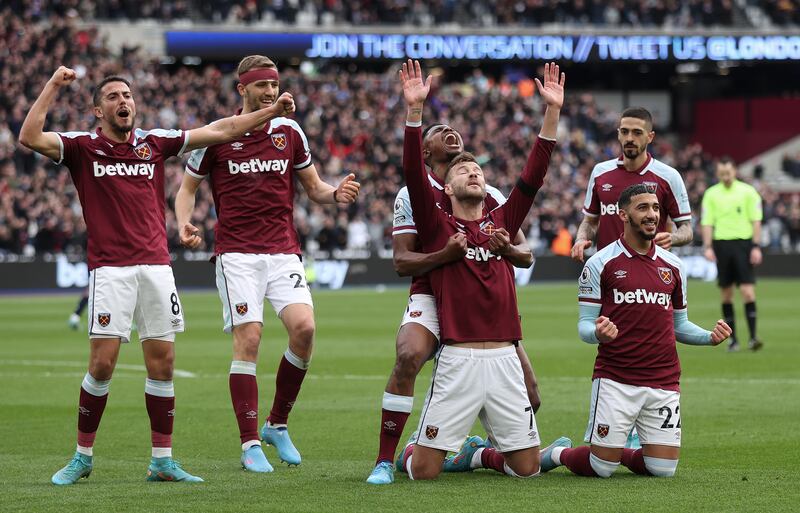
(415, 90)
(552, 90)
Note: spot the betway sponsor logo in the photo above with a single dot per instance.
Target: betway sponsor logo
(642, 297)
(122, 169)
(481, 254)
(608, 210)
(258, 166)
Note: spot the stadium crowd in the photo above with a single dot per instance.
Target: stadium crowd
(353, 122)
(475, 13)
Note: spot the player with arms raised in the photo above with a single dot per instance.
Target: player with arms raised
(118, 171)
(477, 372)
(418, 336)
(258, 252)
(632, 297)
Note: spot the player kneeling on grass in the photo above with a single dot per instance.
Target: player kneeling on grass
(477, 371)
(632, 297)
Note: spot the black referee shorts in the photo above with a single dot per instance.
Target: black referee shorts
(733, 262)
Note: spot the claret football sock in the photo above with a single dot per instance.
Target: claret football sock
(394, 414)
(577, 460)
(92, 403)
(160, 401)
(291, 372)
(244, 396)
(634, 460)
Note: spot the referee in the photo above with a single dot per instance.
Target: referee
(731, 224)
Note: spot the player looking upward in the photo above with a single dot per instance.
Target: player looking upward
(418, 336)
(118, 171)
(632, 297)
(477, 371)
(609, 178)
(258, 252)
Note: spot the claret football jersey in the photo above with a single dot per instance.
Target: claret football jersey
(121, 190)
(610, 178)
(639, 294)
(252, 181)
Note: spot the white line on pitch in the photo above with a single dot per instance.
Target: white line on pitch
(55, 363)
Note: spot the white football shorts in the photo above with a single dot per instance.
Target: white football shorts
(245, 279)
(144, 294)
(421, 309)
(615, 408)
(477, 383)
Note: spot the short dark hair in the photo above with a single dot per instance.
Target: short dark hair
(99, 87)
(462, 157)
(638, 113)
(726, 159)
(631, 191)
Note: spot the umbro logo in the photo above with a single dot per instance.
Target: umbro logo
(101, 152)
(171, 413)
(84, 411)
(389, 424)
(252, 414)
(237, 145)
(607, 187)
(621, 273)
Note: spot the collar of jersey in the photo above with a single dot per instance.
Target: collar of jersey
(131, 138)
(630, 252)
(641, 170)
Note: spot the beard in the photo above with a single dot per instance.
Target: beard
(468, 194)
(120, 127)
(633, 152)
(640, 231)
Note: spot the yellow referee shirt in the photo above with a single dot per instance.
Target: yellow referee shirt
(731, 210)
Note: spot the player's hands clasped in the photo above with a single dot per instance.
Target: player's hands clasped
(500, 242)
(415, 89)
(605, 330)
(63, 76)
(552, 90)
(577, 250)
(284, 105)
(720, 332)
(347, 191)
(456, 247)
(190, 236)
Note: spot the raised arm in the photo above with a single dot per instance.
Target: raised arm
(415, 90)
(233, 127)
(31, 135)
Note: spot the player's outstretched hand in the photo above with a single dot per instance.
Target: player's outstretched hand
(415, 89)
(720, 333)
(347, 191)
(605, 330)
(456, 247)
(500, 242)
(63, 76)
(190, 236)
(578, 249)
(552, 90)
(663, 239)
(284, 105)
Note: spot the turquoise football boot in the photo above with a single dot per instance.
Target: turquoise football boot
(167, 469)
(279, 437)
(461, 461)
(254, 460)
(79, 466)
(382, 474)
(546, 463)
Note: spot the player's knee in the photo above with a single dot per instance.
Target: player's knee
(409, 361)
(101, 367)
(423, 471)
(524, 470)
(303, 332)
(660, 467)
(601, 467)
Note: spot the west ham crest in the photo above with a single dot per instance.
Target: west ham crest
(665, 273)
(104, 319)
(651, 186)
(431, 431)
(279, 140)
(241, 308)
(143, 151)
(488, 228)
(602, 430)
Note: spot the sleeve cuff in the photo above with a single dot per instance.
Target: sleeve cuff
(413, 124)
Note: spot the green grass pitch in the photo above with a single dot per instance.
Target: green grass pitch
(739, 413)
